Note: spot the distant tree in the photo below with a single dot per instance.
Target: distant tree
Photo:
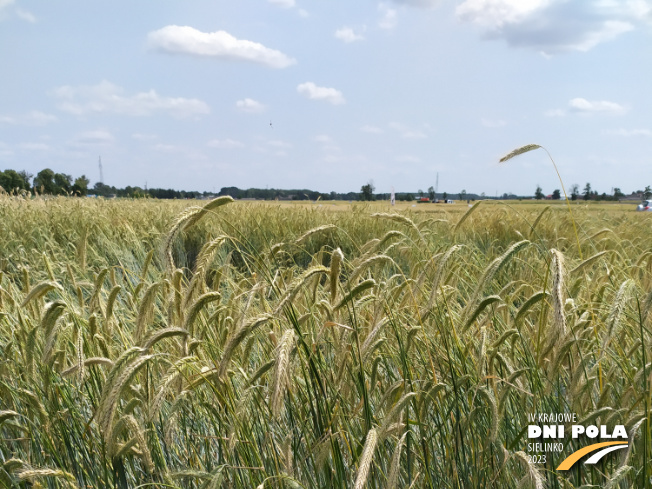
(587, 191)
(26, 178)
(367, 191)
(647, 193)
(482, 195)
(44, 182)
(431, 193)
(463, 195)
(618, 194)
(102, 189)
(81, 185)
(556, 195)
(63, 183)
(575, 191)
(445, 196)
(420, 193)
(538, 194)
(11, 180)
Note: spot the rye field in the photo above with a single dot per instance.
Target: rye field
(195, 344)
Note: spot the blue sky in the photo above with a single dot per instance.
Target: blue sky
(181, 94)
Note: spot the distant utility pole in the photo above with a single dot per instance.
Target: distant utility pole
(436, 185)
(101, 173)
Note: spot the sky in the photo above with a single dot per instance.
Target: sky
(204, 94)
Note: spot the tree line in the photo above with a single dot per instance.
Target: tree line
(589, 194)
(48, 182)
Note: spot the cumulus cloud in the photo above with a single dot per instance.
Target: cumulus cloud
(554, 26)
(276, 143)
(26, 16)
(581, 105)
(419, 3)
(406, 132)
(347, 35)
(250, 105)
(33, 118)
(554, 113)
(34, 146)
(138, 136)
(371, 129)
(314, 92)
(323, 138)
(282, 3)
(388, 17)
(3, 7)
(22, 14)
(327, 143)
(176, 39)
(225, 144)
(105, 97)
(99, 137)
(630, 132)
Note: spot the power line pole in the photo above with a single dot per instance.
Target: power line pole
(101, 174)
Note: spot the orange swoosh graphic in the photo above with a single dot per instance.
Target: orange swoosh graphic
(575, 456)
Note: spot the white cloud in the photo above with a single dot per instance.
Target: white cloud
(406, 132)
(34, 146)
(371, 129)
(279, 144)
(554, 113)
(327, 143)
(630, 132)
(493, 123)
(323, 138)
(144, 137)
(584, 106)
(347, 34)
(303, 13)
(282, 3)
(25, 15)
(3, 5)
(497, 13)
(20, 13)
(419, 3)
(388, 18)
(220, 44)
(105, 97)
(33, 118)
(314, 92)
(225, 144)
(554, 26)
(250, 105)
(167, 148)
(99, 137)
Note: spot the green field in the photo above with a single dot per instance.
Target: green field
(163, 344)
